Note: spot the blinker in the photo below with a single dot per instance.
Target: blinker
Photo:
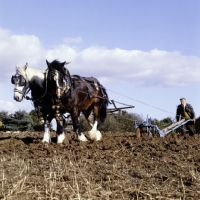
(18, 80)
(12, 80)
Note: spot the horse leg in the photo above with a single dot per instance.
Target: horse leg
(46, 137)
(76, 125)
(60, 131)
(89, 116)
(42, 115)
(94, 133)
(60, 127)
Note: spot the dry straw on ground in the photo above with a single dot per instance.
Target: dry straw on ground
(120, 166)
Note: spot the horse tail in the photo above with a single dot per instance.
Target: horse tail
(104, 105)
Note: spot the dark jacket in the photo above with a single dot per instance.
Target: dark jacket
(188, 108)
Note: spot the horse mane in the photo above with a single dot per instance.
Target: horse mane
(35, 76)
(57, 65)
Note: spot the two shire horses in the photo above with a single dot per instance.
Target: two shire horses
(54, 92)
(76, 95)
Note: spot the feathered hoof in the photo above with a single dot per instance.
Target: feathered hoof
(60, 138)
(95, 135)
(46, 140)
(82, 138)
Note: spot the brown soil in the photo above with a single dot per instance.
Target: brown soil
(121, 166)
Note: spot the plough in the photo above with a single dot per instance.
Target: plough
(149, 126)
(119, 109)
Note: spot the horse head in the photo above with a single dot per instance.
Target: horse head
(58, 78)
(21, 83)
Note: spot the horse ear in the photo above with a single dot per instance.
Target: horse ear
(26, 66)
(48, 64)
(66, 63)
(63, 67)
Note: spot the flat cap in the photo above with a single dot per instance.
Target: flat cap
(182, 98)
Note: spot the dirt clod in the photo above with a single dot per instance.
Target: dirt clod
(120, 166)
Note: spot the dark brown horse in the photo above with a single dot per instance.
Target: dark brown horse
(76, 94)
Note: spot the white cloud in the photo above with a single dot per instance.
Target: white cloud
(155, 67)
(18, 49)
(7, 106)
(147, 68)
(62, 53)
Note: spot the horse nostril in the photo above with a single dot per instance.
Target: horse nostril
(17, 98)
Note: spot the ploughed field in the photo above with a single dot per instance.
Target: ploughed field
(120, 166)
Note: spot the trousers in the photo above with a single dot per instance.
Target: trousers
(189, 128)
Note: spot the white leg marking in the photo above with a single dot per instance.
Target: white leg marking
(98, 136)
(91, 124)
(60, 138)
(94, 133)
(82, 138)
(46, 137)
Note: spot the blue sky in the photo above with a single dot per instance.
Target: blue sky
(148, 52)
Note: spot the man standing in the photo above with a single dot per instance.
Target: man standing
(186, 111)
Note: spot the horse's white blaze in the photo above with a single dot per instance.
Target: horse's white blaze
(61, 138)
(46, 137)
(18, 96)
(82, 138)
(94, 133)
